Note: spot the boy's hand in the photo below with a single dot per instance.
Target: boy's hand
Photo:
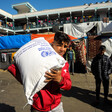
(54, 75)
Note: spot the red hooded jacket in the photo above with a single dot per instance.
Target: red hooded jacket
(49, 97)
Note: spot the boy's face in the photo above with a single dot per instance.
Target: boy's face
(60, 48)
(70, 48)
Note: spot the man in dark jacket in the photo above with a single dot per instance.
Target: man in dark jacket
(101, 68)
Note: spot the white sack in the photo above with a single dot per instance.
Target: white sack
(33, 60)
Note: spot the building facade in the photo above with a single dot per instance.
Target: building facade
(29, 20)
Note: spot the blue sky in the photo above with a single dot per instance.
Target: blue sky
(6, 5)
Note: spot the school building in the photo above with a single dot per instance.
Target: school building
(29, 20)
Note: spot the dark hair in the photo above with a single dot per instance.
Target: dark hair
(61, 37)
(102, 48)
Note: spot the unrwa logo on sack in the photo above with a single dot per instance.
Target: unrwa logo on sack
(47, 53)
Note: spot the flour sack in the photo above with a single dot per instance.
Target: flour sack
(33, 60)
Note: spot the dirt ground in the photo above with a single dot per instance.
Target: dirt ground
(80, 98)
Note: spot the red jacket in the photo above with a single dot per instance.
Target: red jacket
(49, 97)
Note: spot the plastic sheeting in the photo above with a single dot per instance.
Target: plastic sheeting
(17, 41)
(48, 37)
(78, 30)
(108, 44)
(14, 41)
(104, 27)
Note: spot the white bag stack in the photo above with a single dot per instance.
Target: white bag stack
(33, 60)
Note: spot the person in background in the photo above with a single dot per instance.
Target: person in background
(49, 98)
(70, 57)
(101, 68)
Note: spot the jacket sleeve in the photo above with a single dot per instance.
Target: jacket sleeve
(15, 72)
(93, 66)
(109, 66)
(66, 81)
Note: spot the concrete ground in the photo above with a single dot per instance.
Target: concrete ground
(80, 98)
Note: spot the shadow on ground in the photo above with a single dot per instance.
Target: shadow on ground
(6, 108)
(88, 97)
